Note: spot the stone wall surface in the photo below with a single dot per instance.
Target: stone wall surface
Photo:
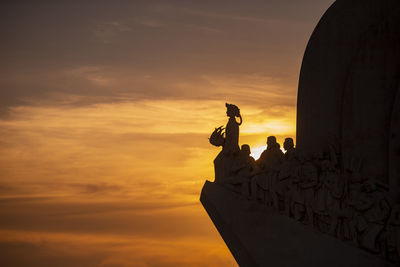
(349, 80)
(259, 236)
(333, 199)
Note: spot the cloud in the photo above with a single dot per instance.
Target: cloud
(257, 12)
(133, 218)
(99, 188)
(110, 31)
(148, 50)
(43, 254)
(115, 168)
(149, 22)
(88, 85)
(59, 249)
(124, 141)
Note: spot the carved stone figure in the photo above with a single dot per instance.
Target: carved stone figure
(287, 174)
(349, 102)
(372, 212)
(232, 129)
(393, 234)
(291, 152)
(243, 169)
(272, 157)
(270, 161)
(224, 163)
(249, 162)
(334, 187)
(308, 180)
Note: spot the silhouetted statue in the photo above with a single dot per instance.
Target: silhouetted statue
(287, 174)
(270, 161)
(308, 180)
(232, 129)
(372, 210)
(229, 142)
(225, 164)
(351, 190)
(248, 160)
(320, 189)
(272, 157)
(288, 145)
(243, 169)
(329, 191)
(334, 190)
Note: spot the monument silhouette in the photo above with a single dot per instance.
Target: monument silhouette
(334, 198)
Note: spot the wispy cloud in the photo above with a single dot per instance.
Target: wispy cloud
(109, 32)
(66, 249)
(149, 22)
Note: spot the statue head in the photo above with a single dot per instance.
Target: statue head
(271, 142)
(245, 149)
(232, 110)
(288, 144)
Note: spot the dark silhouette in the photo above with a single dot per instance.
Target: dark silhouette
(343, 177)
(272, 156)
(288, 145)
(248, 160)
(316, 189)
(232, 129)
(225, 163)
(270, 161)
(287, 176)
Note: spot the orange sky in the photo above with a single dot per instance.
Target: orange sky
(105, 111)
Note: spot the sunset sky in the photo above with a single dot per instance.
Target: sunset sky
(105, 112)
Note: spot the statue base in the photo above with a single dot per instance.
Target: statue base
(257, 235)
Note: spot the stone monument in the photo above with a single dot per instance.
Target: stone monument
(334, 198)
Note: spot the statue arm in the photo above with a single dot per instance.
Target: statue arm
(240, 120)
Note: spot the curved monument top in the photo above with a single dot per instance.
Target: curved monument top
(349, 82)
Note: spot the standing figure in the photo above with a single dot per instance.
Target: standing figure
(232, 129)
(270, 161)
(243, 170)
(308, 175)
(224, 163)
(288, 171)
(250, 163)
(334, 187)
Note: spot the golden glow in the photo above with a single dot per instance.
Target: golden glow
(129, 173)
(141, 165)
(271, 126)
(256, 151)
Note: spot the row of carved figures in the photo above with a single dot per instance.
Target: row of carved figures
(317, 190)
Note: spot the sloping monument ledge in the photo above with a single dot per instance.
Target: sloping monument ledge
(334, 199)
